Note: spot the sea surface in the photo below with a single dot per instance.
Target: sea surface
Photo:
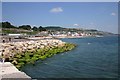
(92, 58)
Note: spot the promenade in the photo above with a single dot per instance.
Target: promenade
(9, 72)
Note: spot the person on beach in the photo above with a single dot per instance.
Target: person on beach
(9, 39)
(3, 41)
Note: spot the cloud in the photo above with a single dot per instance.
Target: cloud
(75, 24)
(56, 10)
(113, 14)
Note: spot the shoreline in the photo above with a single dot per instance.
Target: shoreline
(17, 54)
(57, 37)
(43, 38)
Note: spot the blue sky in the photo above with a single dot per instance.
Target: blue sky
(91, 15)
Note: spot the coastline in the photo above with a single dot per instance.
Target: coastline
(17, 54)
(57, 37)
(75, 61)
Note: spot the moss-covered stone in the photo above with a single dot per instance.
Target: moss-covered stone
(28, 57)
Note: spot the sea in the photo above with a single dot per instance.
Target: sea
(94, 57)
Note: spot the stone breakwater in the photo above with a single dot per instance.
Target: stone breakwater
(10, 49)
(21, 53)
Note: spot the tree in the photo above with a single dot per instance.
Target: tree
(42, 29)
(0, 25)
(7, 25)
(26, 27)
(35, 28)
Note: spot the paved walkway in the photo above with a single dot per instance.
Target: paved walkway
(9, 72)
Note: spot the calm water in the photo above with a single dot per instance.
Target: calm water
(92, 58)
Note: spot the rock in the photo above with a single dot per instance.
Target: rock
(21, 47)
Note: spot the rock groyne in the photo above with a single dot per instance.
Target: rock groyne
(12, 48)
(21, 53)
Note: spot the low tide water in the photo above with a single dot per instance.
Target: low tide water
(92, 58)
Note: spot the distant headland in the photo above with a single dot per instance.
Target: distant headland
(23, 31)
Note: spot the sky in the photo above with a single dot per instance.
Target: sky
(0, 12)
(60, 0)
(102, 16)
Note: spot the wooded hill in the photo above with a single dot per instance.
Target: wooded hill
(7, 27)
